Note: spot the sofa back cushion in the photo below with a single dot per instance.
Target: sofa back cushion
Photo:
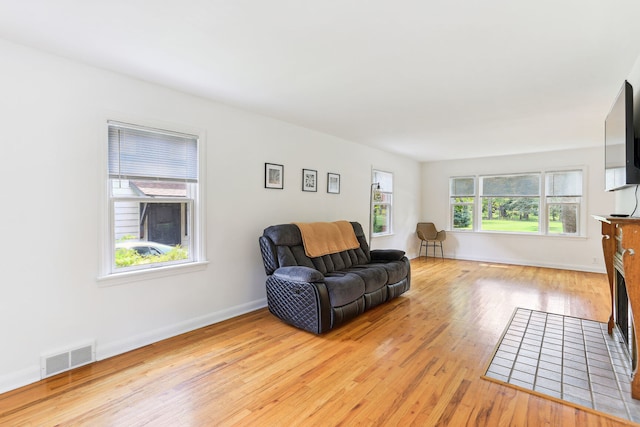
(282, 247)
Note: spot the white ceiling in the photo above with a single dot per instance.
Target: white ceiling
(429, 79)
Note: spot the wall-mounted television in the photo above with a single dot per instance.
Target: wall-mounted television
(622, 157)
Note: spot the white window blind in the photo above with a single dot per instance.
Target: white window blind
(136, 153)
(511, 185)
(564, 184)
(463, 187)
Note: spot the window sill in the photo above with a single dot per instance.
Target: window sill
(381, 235)
(150, 274)
(511, 233)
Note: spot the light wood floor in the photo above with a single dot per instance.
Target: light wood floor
(416, 360)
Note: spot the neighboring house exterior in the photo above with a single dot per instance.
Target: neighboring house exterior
(162, 222)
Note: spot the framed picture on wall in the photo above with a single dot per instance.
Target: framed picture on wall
(273, 176)
(333, 183)
(309, 180)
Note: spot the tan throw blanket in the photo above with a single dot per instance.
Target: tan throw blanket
(322, 238)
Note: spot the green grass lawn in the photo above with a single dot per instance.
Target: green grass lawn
(512, 225)
(555, 227)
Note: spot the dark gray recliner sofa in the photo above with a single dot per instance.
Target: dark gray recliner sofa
(318, 294)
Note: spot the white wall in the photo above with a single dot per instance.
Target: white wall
(52, 134)
(579, 253)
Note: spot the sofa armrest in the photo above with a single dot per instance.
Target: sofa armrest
(304, 305)
(299, 274)
(386, 255)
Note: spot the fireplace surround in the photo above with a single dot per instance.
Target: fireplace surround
(621, 248)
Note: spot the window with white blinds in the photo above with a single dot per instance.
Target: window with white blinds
(564, 202)
(547, 202)
(462, 191)
(382, 203)
(153, 197)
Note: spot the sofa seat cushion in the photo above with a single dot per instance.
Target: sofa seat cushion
(343, 287)
(375, 277)
(396, 270)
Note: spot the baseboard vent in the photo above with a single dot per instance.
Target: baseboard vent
(66, 360)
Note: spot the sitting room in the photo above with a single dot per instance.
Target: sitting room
(193, 147)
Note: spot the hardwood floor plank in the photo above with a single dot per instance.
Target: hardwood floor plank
(416, 360)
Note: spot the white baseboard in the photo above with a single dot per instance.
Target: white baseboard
(106, 350)
(19, 379)
(31, 375)
(590, 268)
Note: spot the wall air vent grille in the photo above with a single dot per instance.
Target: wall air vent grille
(53, 364)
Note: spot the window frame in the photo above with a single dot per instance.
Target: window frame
(453, 194)
(580, 194)
(388, 194)
(195, 213)
(544, 203)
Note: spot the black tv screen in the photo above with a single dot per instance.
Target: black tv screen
(621, 154)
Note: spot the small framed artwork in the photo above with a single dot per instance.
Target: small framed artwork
(273, 176)
(333, 183)
(309, 180)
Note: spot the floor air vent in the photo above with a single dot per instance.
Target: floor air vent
(64, 361)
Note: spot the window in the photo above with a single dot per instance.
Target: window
(546, 203)
(510, 203)
(382, 203)
(564, 198)
(153, 197)
(462, 193)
